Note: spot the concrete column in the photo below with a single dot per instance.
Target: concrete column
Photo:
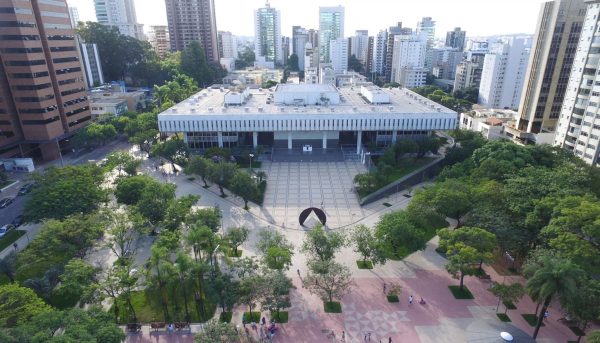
(394, 136)
(255, 139)
(290, 140)
(358, 142)
(220, 139)
(324, 139)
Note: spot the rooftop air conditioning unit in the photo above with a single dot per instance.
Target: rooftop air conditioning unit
(173, 110)
(391, 108)
(246, 109)
(355, 109)
(333, 109)
(282, 109)
(210, 109)
(260, 109)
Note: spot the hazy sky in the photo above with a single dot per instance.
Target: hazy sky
(477, 17)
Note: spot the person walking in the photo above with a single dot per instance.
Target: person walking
(369, 336)
(384, 287)
(410, 300)
(343, 336)
(390, 340)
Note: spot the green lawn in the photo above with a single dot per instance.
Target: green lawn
(503, 317)
(332, 307)
(10, 238)
(531, 319)
(393, 298)
(409, 165)
(225, 317)
(148, 308)
(231, 253)
(364, 264)
(281, 317)
(509, 305)
(252, 317)
(461, 294)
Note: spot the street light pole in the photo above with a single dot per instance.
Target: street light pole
(251, 155)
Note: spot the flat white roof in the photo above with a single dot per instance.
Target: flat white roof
(304, 87)
(210, 102)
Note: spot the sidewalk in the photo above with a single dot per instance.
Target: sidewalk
(31, 230)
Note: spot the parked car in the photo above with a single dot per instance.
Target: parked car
(5, 202)
(5, 229)
(25, 189)
(18, 221)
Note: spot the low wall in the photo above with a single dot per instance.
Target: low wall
(428, 171)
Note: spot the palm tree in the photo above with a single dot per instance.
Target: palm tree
(594, 337)
(555, 277)
(183, 266)
(157, 260)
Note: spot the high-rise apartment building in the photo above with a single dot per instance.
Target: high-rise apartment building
(331, 27)
(389, 53)
(426, 29)
(42, 89)
(468, 72)
(553, 48)
(299, 40)
(193, 21)
(267, 35)
(120, 14)
(227, 45)
(338, 52)
(379, 49)
(409, 60)
(444, 61)
(578, 129)
(158, 37)
(503, 74)
(92, 67)
(360, 46)
(456, 39)
(74, 15)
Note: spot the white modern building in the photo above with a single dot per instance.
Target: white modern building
(299, 40)
(503, 74)
(267, 35)
(408, 61)
(331, 27)
(579, 124)
(293, 116)
(74, 15)
(227, 45)
(338, 50)
(121, 14)
(90, 59)
(426, 29)
(360, 45)
(379, 50)
(490, 123)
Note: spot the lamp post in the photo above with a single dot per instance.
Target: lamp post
(251, 156)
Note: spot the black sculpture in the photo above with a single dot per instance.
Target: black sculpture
(319, 212)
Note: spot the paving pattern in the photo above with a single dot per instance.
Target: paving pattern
(294, 186)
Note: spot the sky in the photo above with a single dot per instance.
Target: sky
(477, 17)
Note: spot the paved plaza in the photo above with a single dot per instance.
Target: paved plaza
(295, 186)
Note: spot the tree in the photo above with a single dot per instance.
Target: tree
(143, 130)
(109, 286)
(95, 134)
(556, 277)
(251, 290)
(221, 174)
(209, 217)
(217, 332)
(507, 293)
(129, 189)
(154, 201)
(78, 280)
(224, 290)
(482, 241)
(194, 65)
(200, 166)
(8, 266)
(321, 245)
(244, 186)
(235, 237)
(246, 59)
(585, 305)
(277, 251)
(367, 245)
(178, 211)
(333, 284)
(277, 295)
(292, 63)
(122, 161)
(18, 304)
(122, 233)
(176, 90)
(75, 188)
(354, 64)
(174, 150)
(156, 265)
(450, 198)
(461, 261)
(72, 325)
(398, 236)
(594, 337)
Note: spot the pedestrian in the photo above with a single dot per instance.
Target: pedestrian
(244, 322)
(410, 300)
(264, 321)
(298, 271)
(343, 336)
(365, 337)
(384, 287)
(546, 315)
(369, 336)
(247, 332)
(390, 340)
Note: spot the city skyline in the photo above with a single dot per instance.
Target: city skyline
(359, 15)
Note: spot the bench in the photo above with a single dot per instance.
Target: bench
(134, 328)
(158, 325)
(180, 326)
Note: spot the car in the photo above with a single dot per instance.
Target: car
(5, 229)
(5, 202)
(25, 189)
(18, 220)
